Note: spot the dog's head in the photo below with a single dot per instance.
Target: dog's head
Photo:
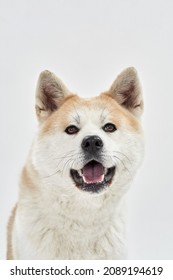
(90, 145)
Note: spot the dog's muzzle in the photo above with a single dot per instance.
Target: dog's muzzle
(93, 177)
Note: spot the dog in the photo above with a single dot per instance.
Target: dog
(81, 163)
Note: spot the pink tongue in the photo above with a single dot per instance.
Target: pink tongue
(93, 172)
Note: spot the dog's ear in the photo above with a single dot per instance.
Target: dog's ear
(126, 91)
(50, 94)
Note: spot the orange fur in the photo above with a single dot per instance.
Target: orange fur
(28, 177)
(9, 234)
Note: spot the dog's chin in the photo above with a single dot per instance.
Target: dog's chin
(93, 177)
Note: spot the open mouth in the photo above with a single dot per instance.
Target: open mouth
(93, 177)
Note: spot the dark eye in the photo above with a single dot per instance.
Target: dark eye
(72, 129)
(109, 127)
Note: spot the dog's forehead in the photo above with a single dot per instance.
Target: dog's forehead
(88, 110)
(96, 110)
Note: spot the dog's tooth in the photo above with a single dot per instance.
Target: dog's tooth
(103, 176)
(83, 177)
(101, 180)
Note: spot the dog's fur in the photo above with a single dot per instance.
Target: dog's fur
(56, 218)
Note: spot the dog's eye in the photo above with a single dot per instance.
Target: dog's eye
(72, 129)
(109, 127)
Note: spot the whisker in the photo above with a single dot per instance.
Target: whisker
(65, 155)
(123, 155)
(122, 162)
(115, 158)
(66, 165)
(48, 176)
(69, 158)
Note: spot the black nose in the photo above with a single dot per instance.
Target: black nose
(92, 144)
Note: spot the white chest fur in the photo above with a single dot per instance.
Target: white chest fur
(55, 232)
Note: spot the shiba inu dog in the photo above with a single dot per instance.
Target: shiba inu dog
(78, 170)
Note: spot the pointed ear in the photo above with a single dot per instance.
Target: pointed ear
(50, 94)
(127, 92)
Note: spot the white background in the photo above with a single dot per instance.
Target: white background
(87, 43)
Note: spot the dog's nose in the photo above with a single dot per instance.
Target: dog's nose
(92, 144)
